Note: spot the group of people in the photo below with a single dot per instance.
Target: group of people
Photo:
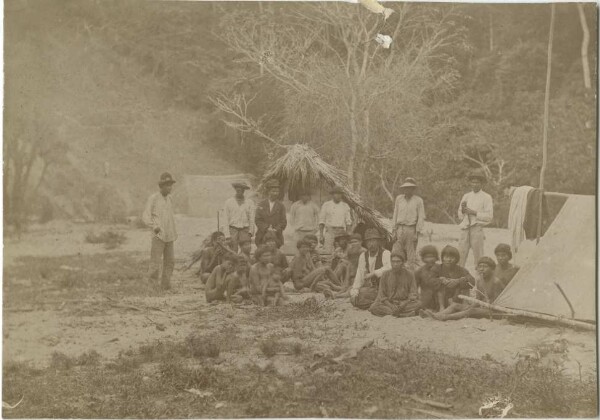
(385, 282)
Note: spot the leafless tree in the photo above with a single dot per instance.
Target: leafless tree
(326, 58)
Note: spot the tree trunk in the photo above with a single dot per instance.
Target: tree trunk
(584, 47)
(364, 157)
(354, 142)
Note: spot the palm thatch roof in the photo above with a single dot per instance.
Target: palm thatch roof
(301, 168)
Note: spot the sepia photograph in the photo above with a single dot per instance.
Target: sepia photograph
(299, 209)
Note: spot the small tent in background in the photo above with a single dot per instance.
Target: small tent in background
(565, 256)
(207, 193)
(301, 168)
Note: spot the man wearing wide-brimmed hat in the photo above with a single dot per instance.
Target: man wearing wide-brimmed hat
(371, 265)
(408, 221)
(158, 215)
(304, 215)
(475, 211)
(334, 219)
(239, 214)
(270, 215)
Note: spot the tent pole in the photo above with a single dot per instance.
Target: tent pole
(545, 132)
(551, 318)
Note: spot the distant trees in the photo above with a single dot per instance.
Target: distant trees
(461, 87)
(29, 150)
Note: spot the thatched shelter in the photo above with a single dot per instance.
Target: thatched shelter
(301, 168)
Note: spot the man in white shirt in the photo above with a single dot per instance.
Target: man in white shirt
(475, 211)
(239, 215)
(335, 219)
(158, 215)
(304, 216)
(371, 265)
(408, 221)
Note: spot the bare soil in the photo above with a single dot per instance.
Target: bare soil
(110, 316)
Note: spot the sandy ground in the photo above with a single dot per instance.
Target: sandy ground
(95, 324)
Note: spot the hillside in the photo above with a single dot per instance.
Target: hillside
(65, 81)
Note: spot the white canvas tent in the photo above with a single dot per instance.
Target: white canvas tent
(207, 193)
(565, 255)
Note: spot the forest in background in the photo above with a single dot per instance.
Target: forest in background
(102, 95)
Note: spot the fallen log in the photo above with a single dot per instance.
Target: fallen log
(555, 319)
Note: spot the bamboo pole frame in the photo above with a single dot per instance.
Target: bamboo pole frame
(551, 318)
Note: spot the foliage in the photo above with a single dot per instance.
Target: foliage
(113, 80)
(133, 385)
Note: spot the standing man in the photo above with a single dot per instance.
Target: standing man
(270, 215)
(334, 218)
(371, 265)
(408, 221)
(475, 211)
(239, 215)
(158, 216)
(304, 216)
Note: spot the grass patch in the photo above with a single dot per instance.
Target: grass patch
(37, 280)
(61, 361)
(376, 378)
(310, 308)
(109, 238)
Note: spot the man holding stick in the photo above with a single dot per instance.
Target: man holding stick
(158, 215)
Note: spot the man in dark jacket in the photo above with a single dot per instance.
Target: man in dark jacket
(270, 215)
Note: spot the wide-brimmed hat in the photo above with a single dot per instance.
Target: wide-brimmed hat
(336, 190)
(409, 183)
(356, 236)
(240, 184)
(341, 235)
(477, 174)
(166, 179)
(373, 234)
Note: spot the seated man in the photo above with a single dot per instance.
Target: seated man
(238, 289)
(305, 275)
(260, 273)
(397, 294)
(427, 281)
(272, 290)
(505, 271)
(211, 255)
(342, 269)
(278, 258)
(314, 242)
(340, 242)
(245, 244)
(353, 252)
(217, 281)
(455, 280)
(371, 265)
(487, 288)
